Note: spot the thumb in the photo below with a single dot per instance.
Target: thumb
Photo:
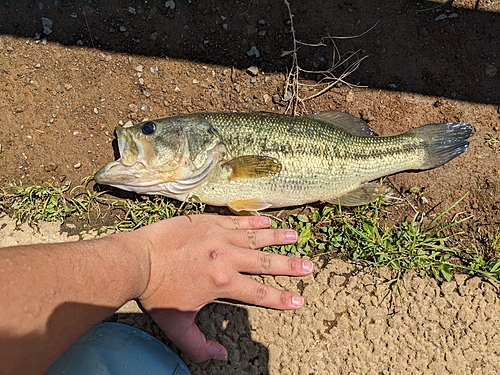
(181, 329)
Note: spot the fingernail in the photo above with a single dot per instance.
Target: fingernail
(307, 265)
(265, 221)
(291, 235)
(297, 301)
(220, 355)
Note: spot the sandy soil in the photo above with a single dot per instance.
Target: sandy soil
(66, 86)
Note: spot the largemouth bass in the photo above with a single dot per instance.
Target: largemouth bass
(250, 162)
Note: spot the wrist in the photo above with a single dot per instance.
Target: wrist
(132, 251)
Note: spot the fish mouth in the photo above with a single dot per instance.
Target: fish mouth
(130, 171)
(127, 177)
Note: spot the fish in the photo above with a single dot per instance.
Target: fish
(250, 162)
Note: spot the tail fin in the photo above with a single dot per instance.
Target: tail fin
(443, 142)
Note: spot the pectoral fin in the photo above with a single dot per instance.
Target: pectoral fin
(366, 193)
(253, 166)
(248, 205)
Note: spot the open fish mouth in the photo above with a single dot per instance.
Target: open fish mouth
(129, 172)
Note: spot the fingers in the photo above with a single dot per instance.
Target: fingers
(244, 222)
(251, 291)
(263, 263)
(181, 328)
(255, 239)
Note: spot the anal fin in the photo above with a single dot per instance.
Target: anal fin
(248, 205)
(365, 193)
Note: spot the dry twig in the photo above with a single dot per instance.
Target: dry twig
(293, 87)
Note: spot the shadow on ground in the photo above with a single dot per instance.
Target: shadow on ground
(451, 51)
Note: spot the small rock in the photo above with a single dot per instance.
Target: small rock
(253, 52)
(47, 25)
(253, 70)
(133, 107)
(68, 86)
(73, 15)
(453, 15)
(287, 96)
(76, 132)
(123, 29)
(177, 89)
(170, 4)
(77, 165)
(423, 32)
(79, 42)
(491, 70)
(128, 124)
(96, 111)
(108, 58)
(267, 98)
(186, 27)
(441, 17)
(139, 68)
(132, 10)
(143, 107)
(58, 88)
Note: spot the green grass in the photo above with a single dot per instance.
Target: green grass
(421, 244)
(432, 247)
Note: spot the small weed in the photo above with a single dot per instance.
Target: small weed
(493, 142)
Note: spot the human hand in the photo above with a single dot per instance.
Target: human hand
(206, 257)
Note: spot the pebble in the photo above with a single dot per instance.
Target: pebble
(253, 70)
(123, 29)
(77, 165)
(139, 68)
(441, 17)
(253, 52)
(68, 86)
(76, 132)
(128, 124)
(491, 70)
(170, 4)
(96, 111)
(423, 32)
(47, 25)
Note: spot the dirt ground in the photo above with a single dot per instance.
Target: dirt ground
(71, 71)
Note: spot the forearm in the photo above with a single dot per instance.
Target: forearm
(51, 294)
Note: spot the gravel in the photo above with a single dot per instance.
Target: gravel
(353, 322)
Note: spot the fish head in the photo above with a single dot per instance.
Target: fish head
(170, 156)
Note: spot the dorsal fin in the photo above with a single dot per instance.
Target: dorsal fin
(345, 122)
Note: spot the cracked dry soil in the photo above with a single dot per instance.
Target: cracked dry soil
(62, 94)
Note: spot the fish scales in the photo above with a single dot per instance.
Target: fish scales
(312, 158)
(319, 161)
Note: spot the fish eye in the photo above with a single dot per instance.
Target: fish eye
(148, 128)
